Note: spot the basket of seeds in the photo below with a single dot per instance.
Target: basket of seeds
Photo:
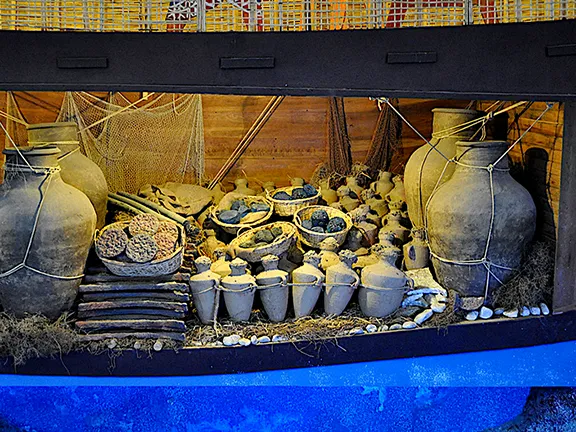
(243, 212)
(143, 246)
(316, 223)
(288, 200)
(271, 239)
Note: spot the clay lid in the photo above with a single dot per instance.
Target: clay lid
(270, 259)
(203, 262)
(348, 255)
(311, 257)
(33, 151)
(238, 263)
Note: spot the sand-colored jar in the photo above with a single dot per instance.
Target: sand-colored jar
(241, 184)
(239, 289)
(204, 288)
(221, 265)
(384, 184)
(273, 289)
(341, 281)
(328, 194)
(328, 253)
(416, 251)
(307, 285)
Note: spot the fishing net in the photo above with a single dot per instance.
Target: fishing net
(385, 140)
(15, 123)
(150, 141)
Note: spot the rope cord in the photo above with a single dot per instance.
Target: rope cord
(490, 168)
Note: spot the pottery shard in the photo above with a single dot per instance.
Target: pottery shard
(141, 248)
(166, 244)
(111, 243)
(144, 224)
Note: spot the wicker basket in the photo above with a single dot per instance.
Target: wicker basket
(234, 228)
(289, 207)
(167, 265)
(280, 245)
(313, 239)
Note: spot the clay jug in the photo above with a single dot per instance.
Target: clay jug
(416, 252)
(212, 243)
(268, 188)
(352, 183)
(307, 285)
(204, 288)
(341, 281)
(329, 195)
(59, 245)
(328, 255)
(345, 200)
(242, 187)
(297, 181)
(383, 285)
(384, 184)
(459, 219)
(398, 193)
(239, 289)
(426, 165)
(273, 289)
(378, 206)
(77, 169)
(217, 193)
(393, 222)
(221, 266)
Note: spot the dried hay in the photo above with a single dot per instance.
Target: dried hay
(533, 283)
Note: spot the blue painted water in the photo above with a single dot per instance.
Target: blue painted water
(464, 392)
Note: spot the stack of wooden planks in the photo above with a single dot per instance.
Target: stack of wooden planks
(116, 307)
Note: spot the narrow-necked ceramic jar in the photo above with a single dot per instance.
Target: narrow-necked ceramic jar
(204, 288)
(417, 252)
(239, 289)
(273, 289)
(341, 281)
(307, 285)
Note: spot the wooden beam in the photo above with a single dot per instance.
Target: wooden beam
(565, 273)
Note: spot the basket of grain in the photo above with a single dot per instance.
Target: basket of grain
(317, 223)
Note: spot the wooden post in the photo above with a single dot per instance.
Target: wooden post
(565, 273)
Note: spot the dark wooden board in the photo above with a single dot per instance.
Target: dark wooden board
(130, 314)
(103, 325)
(179, 337)
(133, 304)
(136, 295)
(96, 275)
(133, 286)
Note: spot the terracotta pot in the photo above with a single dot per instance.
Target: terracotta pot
(273, 289)
(393, 222)
(241, 187)
(60, 244)
(416, 252)
(384, 184)
(328, 195)
(307, 287)
(239, 290)
(328, 255)
(459, 218)
(203, 286)
(352, 183)
(77, 169)
(426, 165)
(383, 285)
(398, 193)
(341, 281)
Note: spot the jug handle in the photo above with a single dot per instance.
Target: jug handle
(409, 284)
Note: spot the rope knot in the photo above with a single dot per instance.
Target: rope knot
(490, 168)
(490, 115)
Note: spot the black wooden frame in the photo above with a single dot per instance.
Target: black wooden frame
(533, 61)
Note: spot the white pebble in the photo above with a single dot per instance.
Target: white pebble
(441, 298)
(158, 346)
(383, 328)
(544, 309)
(235, 338)
(423, 316)
(229, 341)
(486, 313)
(278, 338)
(436, 305)
(511, 313)
(498, 311)
(244, 342)
(409, 325)
(112, 343)
(471, 316)
(535, 310)
(525, 311)
(254, 340)
(395, 327)
(137, 345)
(356, 331)
(263, 339)
(371, 328)
(217, 343)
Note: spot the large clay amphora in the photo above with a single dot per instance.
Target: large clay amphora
(273, 289)
(48, 226)
(460, 217)
(204, 287)
(426, 165)
(383, 285)
(341, 281)
(239, 289)
(307, 285)
(77, 169)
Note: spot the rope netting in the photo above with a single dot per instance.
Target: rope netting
(157, 139)
(490, 169)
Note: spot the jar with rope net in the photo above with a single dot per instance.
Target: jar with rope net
(76, 169)
(479, 222)
(46, 232)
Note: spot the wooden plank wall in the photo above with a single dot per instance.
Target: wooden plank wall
(294, 141)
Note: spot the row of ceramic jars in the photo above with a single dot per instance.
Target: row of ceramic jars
(380, 293)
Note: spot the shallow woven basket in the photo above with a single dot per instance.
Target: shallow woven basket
(289, 207)
(159, 267)
(280, 245)
(234, 228)
(313, 239)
